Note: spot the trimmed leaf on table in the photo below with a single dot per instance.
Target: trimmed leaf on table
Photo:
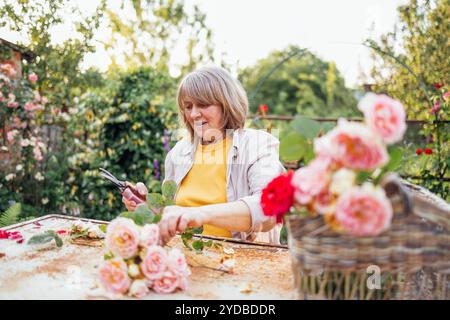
(46, 237)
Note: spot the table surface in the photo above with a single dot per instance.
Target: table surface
(71, 272)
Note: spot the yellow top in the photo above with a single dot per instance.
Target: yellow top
(206, 182)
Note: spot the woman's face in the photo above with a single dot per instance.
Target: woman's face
(206, 121)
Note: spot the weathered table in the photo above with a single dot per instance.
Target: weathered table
(71, 272)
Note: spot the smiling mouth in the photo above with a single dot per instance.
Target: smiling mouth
(201, 124)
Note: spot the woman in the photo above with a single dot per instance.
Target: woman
(221, 168)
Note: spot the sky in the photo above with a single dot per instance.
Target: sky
(248, 30)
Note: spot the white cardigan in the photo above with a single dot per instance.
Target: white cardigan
(253, 161)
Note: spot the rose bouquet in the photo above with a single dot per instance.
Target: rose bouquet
(135, 263)
(341, 182)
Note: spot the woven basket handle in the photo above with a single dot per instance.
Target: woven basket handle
(407, 198)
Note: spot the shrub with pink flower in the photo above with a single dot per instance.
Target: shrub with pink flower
(328, 185)
(145, 264)
(33, 77)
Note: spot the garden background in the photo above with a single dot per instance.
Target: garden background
(60, 122)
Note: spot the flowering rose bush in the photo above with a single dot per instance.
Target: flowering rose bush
(136, 263)
(345, 157)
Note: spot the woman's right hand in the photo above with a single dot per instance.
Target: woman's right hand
(130, 198)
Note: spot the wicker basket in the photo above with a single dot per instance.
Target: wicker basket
(413, 256)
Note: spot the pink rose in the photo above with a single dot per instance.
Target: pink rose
(364, 211)
(122, 237)
(384, 115)
(446, 95)
(309, 181)
(177, 263)
(33, 77)
(352, 145)
(154, 262)
(114, 276)
(168, 283)
(37, 154)
(12, 104)
(149, 235)
(324, 202)
(139, 289)
(30, 106)
(10, 136)
(8, 69)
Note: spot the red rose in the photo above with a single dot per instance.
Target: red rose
(419, 151)
(278, 196)
(438, 85)
(428, 151)
(263, 109)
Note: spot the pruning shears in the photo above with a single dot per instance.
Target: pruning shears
(122, 185)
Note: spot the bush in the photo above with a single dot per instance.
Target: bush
(122, 130)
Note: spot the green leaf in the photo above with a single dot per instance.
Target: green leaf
(395, 159)
(198, 230)
(292, 146)
(58, 240)
(103, 227)
(187, 235)
(169, 188)
(306, 127)
(363, 176)
(308, 153)
(198, 245)
(41, 238)
(108, 256)
(142, 215)
(155, 200)
(11, 215)
(208, 243)
(157, 218)
(327, 126)
(169, 202)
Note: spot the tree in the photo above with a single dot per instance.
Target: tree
(153, 30)
(302, 84)
(60, 81)
(412, 64)
(57, 64)
(419, 41)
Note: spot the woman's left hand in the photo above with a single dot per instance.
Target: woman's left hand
(176, 218)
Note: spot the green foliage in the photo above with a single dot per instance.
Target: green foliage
(46, 237)
(163, 24)
(199, 244)
(121, 129)
(304, 84)
(296, 141)
(60, 81)
(141, 216)
(422, 38)
(410, 72)
(11, 215)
